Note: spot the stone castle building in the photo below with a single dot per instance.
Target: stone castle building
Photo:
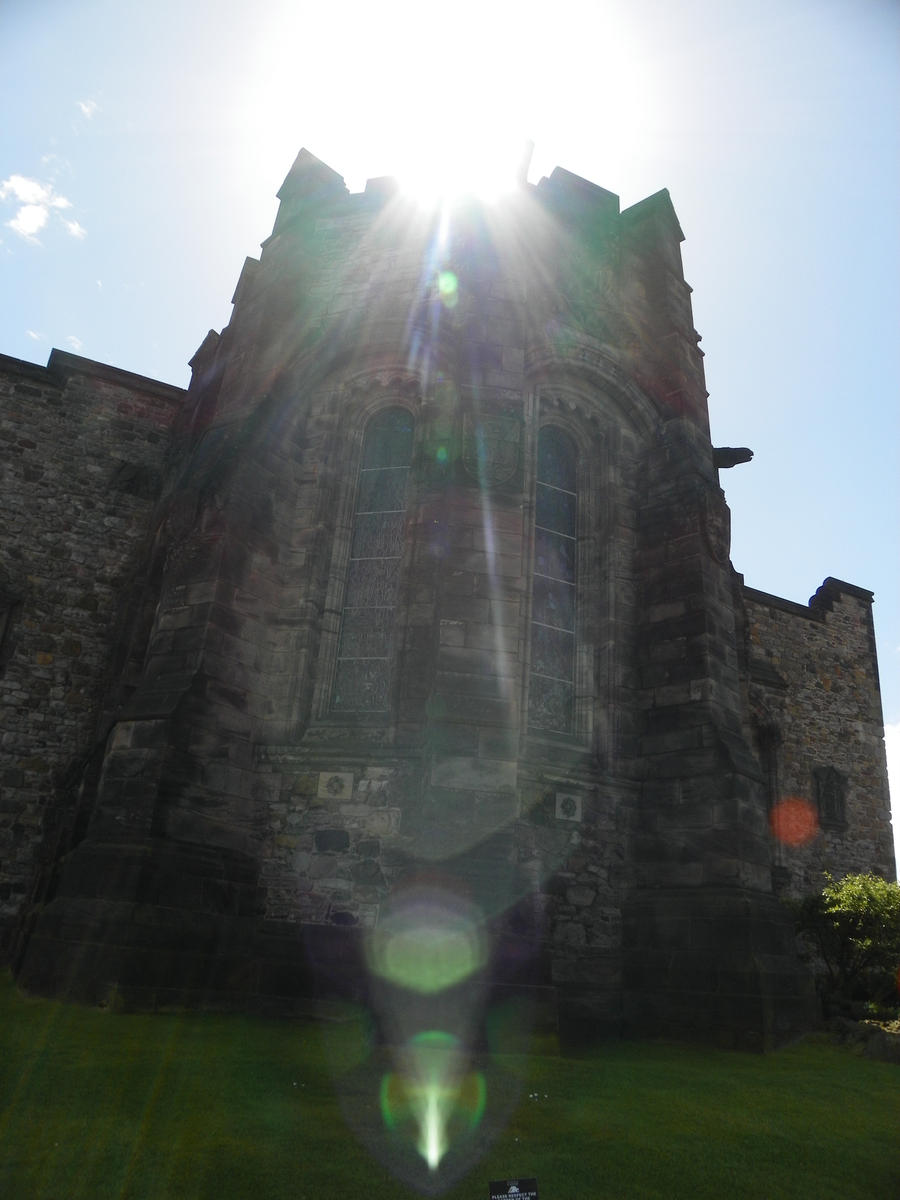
(413, 618)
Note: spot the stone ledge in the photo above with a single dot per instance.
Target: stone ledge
(62, 365)
(819, 604)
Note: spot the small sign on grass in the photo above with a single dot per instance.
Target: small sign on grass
(513, 1189)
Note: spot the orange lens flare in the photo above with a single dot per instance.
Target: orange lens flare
(794, 821)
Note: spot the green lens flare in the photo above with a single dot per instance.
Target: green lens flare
(427, 943)
(392, 1098)
(433, 1095)
(432, 1142)
(428, 958)
(448, 288)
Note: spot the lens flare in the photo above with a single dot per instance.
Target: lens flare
(433, 1093)
(464, 160)
(794, 821)
(427, 941)
(448, 288)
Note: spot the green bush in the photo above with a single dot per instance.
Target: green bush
(853, 928)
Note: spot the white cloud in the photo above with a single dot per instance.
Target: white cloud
(36, 201)
(29, 220)
(26, 191)
(76, 343)
(34, 335)
(88, 107)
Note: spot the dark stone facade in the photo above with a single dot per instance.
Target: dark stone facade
(418, 601)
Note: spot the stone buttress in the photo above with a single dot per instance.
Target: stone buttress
(439, 633)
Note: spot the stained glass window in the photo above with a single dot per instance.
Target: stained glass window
(551, 693)
(376, 545)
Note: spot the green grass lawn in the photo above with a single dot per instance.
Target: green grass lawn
(167, 1106)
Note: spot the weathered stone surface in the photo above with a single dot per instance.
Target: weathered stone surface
(344, 627)
(816, 708)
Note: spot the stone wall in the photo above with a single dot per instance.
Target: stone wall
(559, 771)
(817, 721)
(83, 451)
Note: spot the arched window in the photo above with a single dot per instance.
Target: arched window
(365, 647)
(551, 692)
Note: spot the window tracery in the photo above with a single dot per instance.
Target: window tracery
(551, 693)
(365, 644)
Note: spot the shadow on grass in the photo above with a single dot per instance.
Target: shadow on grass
(161, 1106)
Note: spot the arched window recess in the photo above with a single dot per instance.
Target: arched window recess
(554, 586)
(366, 641)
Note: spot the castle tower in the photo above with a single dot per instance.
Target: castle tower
(439, 642)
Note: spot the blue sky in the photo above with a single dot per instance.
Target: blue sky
(148, 141)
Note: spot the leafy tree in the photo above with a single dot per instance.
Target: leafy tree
(853, 926)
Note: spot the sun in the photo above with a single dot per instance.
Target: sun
(483, 165)
(445, 98)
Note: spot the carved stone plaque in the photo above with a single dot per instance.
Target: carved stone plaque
(335, 785)
(568, 806)
(490, 450)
